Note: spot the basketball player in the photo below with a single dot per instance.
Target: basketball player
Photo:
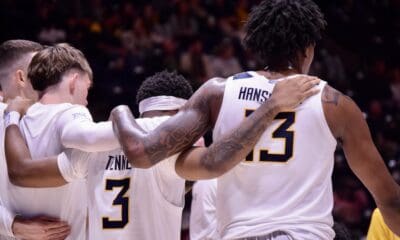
(15, 56)
(145, 203)
(282, 189)
(47, 129)
(124, 201)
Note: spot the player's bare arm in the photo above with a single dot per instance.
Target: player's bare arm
(222, 155)
(25, 172)
(197, 116)
(348, 125)
(176, 134)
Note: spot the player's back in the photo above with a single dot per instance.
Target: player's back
(127, 202)
(285, 183)
(69, 202)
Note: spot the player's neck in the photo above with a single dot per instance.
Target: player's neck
(54, 98)
(278, 74)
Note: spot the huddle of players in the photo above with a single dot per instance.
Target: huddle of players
(132, 181)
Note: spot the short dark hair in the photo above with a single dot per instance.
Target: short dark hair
(13, 51)
(48, 65)
(164, 84)
(277, 30)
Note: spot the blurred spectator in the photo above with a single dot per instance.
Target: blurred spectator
(51, 35)
(225, 64)
(395, 86)
(350, 202)
(195, 64)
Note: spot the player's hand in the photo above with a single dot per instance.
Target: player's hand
(19, 104)
(289, 93)
(40, 228)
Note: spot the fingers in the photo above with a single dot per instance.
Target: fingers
(310, 92)
(302, 82)
(307, 80)
(56, 225)
(52, 228)
(58, 233)
(309, 84)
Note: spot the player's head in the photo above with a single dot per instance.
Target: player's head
(283, 33)
(164, 91)
(15, 56)
(62, 69)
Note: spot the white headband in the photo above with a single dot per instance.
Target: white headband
(161, 103)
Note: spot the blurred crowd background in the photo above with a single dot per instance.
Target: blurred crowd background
(126, 41)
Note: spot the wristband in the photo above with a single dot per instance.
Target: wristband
(11, 118)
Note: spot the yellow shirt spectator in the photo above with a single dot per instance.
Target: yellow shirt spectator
(378, 230)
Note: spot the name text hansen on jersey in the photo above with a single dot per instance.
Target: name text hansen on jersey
(254, 94)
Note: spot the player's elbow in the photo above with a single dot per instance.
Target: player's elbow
(213, 167)
(18, 176)
(136, 156)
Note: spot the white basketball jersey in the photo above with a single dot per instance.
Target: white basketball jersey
(69, 202)
(285, 182)
(127, 202)
(203, 219)
(6, 217)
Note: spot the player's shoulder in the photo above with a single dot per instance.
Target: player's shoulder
(336, 100)
(341, 112)
(73, 111)
(74, 107)
(215, 83)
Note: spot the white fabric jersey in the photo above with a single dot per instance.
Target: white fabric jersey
(203, 219)
(6, 216)
(49, 130)
(126, 202)
(285, 184)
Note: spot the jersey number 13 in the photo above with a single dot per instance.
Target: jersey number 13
(282, 132)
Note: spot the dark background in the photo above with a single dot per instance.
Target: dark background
(126, 41)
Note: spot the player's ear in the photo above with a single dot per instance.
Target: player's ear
(20, 78)
(73, 83)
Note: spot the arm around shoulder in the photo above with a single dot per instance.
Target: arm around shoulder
(173, 136)
(77, 130)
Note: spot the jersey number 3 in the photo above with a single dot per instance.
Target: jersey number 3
(281, 132)
(119, 200)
